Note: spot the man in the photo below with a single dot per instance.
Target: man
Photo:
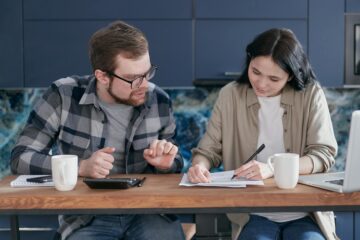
(115, 121)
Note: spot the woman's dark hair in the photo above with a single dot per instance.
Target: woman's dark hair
(286, 51)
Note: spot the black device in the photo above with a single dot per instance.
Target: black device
(42, 179)
(114, 183)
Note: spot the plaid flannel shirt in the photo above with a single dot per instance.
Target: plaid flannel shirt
(69, 120)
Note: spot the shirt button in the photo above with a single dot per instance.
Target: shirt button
(285, 112)
(288, 150)
(285, 130)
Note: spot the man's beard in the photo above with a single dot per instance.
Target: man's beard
(129, 101)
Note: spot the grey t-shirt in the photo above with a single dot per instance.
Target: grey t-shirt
(118, 116)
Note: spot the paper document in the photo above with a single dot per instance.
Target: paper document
(20, 181)
(222, 179)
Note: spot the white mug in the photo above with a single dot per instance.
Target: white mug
(285, 167)
(64, 170)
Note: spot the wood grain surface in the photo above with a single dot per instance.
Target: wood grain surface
(162, 193)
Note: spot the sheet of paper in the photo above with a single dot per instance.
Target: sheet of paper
(222, 179)
(20, 181)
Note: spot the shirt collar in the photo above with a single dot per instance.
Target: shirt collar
(89, 96)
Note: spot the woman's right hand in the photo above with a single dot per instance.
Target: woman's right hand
(199, 174)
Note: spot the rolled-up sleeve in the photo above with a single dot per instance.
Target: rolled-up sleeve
(210, 146)
(31, 152)
(321, 144)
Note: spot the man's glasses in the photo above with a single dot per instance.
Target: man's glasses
(136, 83)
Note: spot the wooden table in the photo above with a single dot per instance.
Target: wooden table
(162, 194)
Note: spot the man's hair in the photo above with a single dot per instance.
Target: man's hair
(286, 51)
(116, 38)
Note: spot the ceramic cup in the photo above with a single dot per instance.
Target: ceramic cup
(285, 167)
(64, 171)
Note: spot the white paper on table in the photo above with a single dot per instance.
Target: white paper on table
(21, 181)
(222, 179)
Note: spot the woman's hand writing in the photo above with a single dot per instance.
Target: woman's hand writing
(254, 170)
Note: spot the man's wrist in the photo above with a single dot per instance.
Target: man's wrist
(165, 170)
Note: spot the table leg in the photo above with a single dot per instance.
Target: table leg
(14, 226)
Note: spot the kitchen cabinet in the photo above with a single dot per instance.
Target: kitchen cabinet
(189, 39)
(55, 49)
(56, 36)
(223, 31)
(11, 42)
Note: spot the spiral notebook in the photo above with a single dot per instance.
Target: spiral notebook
(20, 181)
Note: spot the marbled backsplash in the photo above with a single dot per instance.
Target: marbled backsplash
(192, 108)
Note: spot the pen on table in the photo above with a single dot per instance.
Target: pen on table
(262, 146)
(141, 182)
(41, 179)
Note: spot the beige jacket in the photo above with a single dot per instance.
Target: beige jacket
(232, 134)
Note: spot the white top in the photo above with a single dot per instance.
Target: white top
(271, 134)
(270, 127)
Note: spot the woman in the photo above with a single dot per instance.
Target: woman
(276, 101)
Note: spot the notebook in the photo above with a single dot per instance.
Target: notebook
(348, 181)
(20, 181)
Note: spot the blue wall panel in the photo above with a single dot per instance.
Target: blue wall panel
(109, 9)
(220, 44)
(11, 44)
(56, 35)
(345, 225)
(289, 9)
(357, 226)
(170, 49)
(352, 6)
(55, 49)
(326, 40)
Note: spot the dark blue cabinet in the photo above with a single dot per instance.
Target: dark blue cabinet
(32, 227)
(223, 30)
(104, 10)
(345, 225)
(356, 225)
(254, 9)
(11, 44)
(55, 49)
(326, 40)
(171, 50)
(216, 225)
(56, 36)
(220, 44)
(189, 39)
(352, 6)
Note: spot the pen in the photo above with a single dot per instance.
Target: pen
(42, 179)
(262, 146)
(141, 182)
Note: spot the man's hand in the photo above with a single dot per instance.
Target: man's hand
(199, 174)
(161, 154)
(98, 165)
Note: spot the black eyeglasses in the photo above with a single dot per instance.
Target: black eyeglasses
(136, 83)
